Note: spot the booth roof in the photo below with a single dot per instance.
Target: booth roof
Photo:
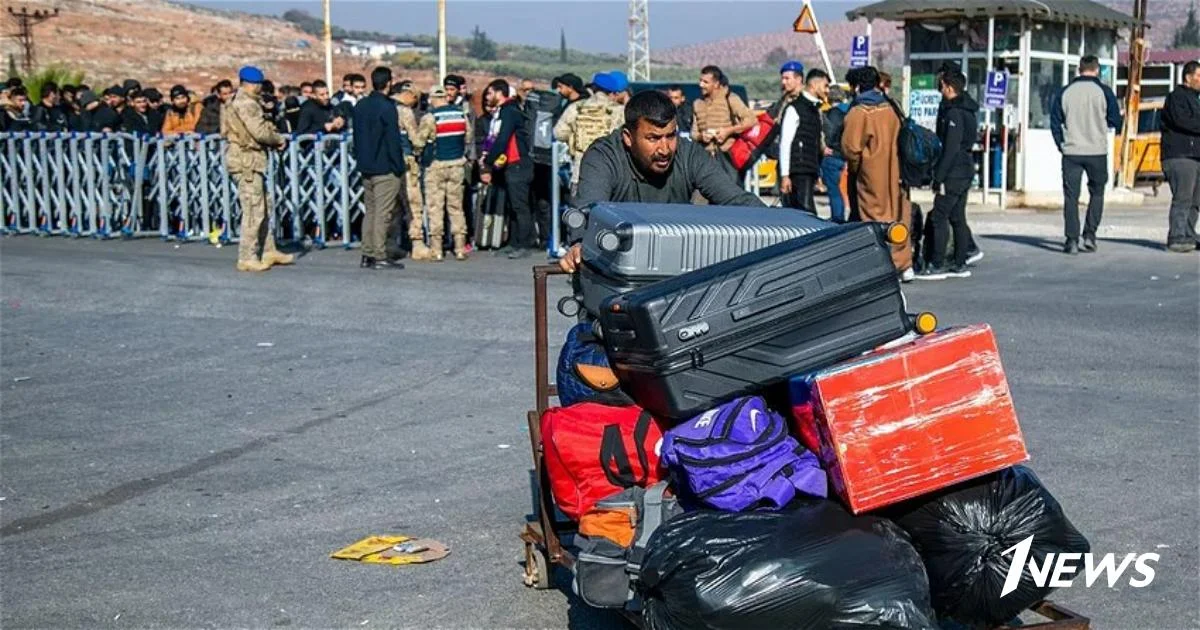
(1073, 11)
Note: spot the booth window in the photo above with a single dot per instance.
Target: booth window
(1008, 35)
(934, 37)
(1074, 38)
(1048, 36)
(1045, 79)
(1100, 42)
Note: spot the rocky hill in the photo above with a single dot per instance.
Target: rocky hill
(161, 43)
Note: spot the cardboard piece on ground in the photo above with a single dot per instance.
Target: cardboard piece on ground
(378, 550)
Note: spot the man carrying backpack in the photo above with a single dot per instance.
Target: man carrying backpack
(585, 121)
(956, 127)
(870, 143)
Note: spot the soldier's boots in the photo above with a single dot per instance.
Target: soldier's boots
(460, 248)
(419, 251)
(274, 257)
(435, 252)
(253, 265)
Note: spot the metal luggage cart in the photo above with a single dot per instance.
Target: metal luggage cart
(543, 532)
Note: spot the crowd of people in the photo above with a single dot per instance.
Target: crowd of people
(424, 152)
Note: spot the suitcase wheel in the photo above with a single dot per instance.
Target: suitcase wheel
(537, 568)
(897, 234)
(924, 322)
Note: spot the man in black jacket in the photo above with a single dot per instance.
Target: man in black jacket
(210, 115)
(957, 124)
(381, 161)
(137, 116)
(108, 117)
(511, 171)
(317, 115)
(644, 161)
(800, 143)
(1181, 158)
(49, 115)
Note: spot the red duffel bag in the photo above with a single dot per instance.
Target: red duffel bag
(594, 451)
(742, 150)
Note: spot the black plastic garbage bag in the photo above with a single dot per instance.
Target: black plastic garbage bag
(813, 566)
(962, 533)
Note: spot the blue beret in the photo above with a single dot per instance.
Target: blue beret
(621, 81)
(604, 81)
(792, 66)
(250, 74)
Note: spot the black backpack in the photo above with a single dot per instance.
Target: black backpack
(920, 149)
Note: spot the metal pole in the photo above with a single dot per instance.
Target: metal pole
(441, 41)
(328, 37)
(870, 56)
(821, 40)
(987, 124)
(1133, 94)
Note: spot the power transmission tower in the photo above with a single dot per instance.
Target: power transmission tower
(25, 21)
(639, 40)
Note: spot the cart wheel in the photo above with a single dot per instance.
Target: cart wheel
(537, 568)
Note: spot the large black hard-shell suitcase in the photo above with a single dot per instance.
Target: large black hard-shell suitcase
(687, 344)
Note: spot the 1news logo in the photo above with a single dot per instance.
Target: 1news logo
(1059, 570)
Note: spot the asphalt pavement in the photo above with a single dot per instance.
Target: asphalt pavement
(184, 446)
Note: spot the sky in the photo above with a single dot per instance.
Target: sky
(599, 26)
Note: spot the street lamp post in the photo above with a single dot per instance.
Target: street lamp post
(328, 37)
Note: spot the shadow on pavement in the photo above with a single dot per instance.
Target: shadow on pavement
(1137, 242)
(1051, 245)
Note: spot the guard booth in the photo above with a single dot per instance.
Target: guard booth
(1037, 43)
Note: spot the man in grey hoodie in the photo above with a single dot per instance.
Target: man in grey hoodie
(1080, 117)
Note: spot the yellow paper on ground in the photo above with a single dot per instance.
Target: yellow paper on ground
(378, 550)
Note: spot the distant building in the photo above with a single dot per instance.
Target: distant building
(1162, 72)
(377, 50)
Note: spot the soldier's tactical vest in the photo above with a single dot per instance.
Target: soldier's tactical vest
(451, 143)
(594, 120)
(406, 145)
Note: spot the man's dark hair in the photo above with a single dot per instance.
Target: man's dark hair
(1190, 67)
(18, 90)
(268, 87)
(852, 77)
(815, 74)
(68, 88)
(48, 88)
(221, 85)
(83, 87)
(499, 85)
(868, 78)
(956, 80)
(308, 84)
(348, 77)
(358, 78)
(674, 88)
(649, 105)
(1089, 63)
(715, 72)
(13, 82)
(380, 77)
(134, 94)
(317, 84)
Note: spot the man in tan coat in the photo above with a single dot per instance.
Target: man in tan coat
(870, 142)
(250, 135)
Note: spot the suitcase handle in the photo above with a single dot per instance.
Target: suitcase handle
(783, 297)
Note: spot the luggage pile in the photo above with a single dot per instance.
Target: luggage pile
(754, 433)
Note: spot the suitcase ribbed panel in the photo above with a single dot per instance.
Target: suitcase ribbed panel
(664, 240)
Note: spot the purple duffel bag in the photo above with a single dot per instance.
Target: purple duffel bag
(739, 456)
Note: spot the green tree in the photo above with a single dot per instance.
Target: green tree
(777, 57)
(1188, 34)
(562, 46)
(59, 75)
(481, 47)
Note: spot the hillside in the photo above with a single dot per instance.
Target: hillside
(751, 51)
(161, 43)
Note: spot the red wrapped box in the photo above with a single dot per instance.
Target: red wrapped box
(904, 421)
